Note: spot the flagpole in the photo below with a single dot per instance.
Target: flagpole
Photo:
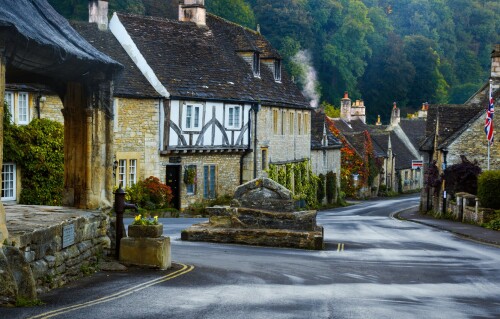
(488, 154)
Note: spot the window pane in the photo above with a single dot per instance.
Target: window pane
(212, 181)
(196, 117)
(132, 172)
(205, 182)
(8, 182)
(189, 110)
(122, 172)
(230, 117)
(23, 108)
(237, 116)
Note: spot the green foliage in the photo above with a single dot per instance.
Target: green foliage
(331, 187)
(494, 223)
(233, 10)
(150, 194)
(321, 188)
(25, 302)
(305, 183)
(488, 191)
(38, 149)
(330, 110)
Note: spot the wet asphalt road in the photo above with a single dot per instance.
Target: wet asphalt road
(374, 266)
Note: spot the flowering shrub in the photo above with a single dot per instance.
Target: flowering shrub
(144, 221)
(150, 193)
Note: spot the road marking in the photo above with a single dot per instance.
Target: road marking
(184, 270)
(392, 216)
(340, 247)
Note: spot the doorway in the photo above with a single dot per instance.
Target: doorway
(174, 182)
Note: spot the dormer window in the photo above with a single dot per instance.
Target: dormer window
(277, 70)
(256, 64)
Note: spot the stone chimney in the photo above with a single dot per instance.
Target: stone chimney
(422, 114)
(358, 111)
(395, 115)
(345, 107)
(98, 13)
(193, 11)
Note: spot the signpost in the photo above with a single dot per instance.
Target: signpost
(417, 164)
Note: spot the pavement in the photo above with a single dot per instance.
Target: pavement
(469, 231)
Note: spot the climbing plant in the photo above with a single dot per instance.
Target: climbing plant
(37, 149)
(298, 178)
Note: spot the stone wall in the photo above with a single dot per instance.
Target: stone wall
(282, 146)
(227, 174)
(136, 132)
(38, 236)
(473, 144)
(51, 108)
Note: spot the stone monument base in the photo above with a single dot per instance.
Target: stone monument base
(258, 237)
(146, 252)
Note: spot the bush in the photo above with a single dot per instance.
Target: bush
(488, 191)
(150, 194)
(331, 187)
(462, 177)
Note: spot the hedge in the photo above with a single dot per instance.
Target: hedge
(488, 190)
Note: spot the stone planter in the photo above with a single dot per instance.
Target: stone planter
(142, 231)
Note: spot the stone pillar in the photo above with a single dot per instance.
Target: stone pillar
(3, 227)
(88, 138)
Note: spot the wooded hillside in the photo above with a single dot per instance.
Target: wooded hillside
(381, 51)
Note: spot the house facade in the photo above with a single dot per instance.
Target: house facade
(202, 103)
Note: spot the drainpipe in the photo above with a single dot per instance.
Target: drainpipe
(256, 108)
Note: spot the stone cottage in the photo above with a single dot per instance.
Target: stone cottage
(203, 103)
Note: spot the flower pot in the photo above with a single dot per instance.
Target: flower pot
(150, 231)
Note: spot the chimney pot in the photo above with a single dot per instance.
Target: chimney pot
(346, 95)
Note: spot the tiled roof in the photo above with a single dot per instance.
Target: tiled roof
(203, 63)
(317, 130)
(403, 155)
(131, 83)
(414, 129)
(452, 120)
(380, 142)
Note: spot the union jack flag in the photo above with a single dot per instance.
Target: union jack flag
(488, 124)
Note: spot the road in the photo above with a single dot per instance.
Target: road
(374, 266)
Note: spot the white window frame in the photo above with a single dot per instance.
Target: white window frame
(256, 64)
(23, 109)
(277, 70)
(122, 172)
(132, 172)
(233, 116)
(11, 181)
(192, 117)
(9, 98)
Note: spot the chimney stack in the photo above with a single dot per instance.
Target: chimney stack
(395, 115)
(495, 67)
(193, 11)
(345, 107)
(98, 13)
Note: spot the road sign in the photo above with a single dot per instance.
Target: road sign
(417, 164)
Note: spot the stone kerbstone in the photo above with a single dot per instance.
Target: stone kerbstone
(148, 252)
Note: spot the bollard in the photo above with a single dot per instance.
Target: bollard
(120, 207)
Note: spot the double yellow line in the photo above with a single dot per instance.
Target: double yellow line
(184, 270)
(340, 247)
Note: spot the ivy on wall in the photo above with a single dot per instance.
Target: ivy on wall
(297, 177)
(38, 149)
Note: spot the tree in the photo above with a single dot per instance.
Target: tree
(233, 10)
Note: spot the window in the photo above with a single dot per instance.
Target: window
(129, 179)
(275, 121)
(192, 117)
(122, 173)
(324, 159)
(132, 172)
(9, 181)
(283, 121)
(233, 116)
(299, 123)
(190, 179)
(292, 123)
(209, 181)
(22, 108)
(9, 99)
(277, 70)
(306, 123)
(256, 64)
(264, 159)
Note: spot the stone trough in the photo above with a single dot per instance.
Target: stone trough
(261, 213)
